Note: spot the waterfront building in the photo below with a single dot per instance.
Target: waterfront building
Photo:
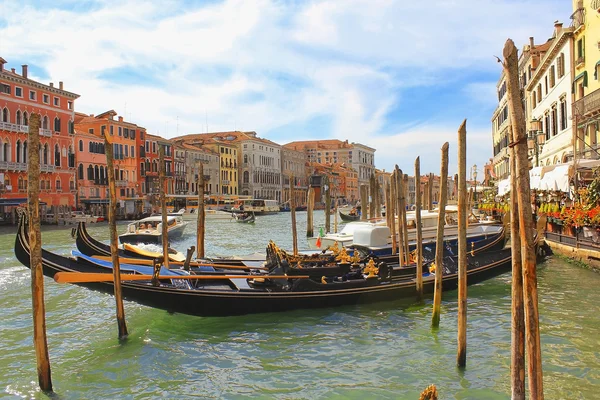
(227, 146)
(331, 151)
(123, 135)
(293, 163)
(550, 96)
(20, 97)
(586, 80)
(261, 169)
(179, 169)
(194, 155)
(92, 175)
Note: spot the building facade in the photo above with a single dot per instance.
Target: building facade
(20, 97)
(293, 164)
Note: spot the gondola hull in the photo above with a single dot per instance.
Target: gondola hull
(235, 297)
(348, 217)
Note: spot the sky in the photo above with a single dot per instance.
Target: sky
(399, 76)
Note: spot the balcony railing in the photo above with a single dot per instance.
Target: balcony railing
(14, 127)
(578, 17)
(12, 166)
(45, 132)
(580, 60)
(120, 183)
(47, 168)
(587, 105)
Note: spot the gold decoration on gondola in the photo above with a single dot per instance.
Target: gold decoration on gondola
(334, 248)
(355, 259)
(323, 280)
(412, 256)
(371, 269)
(430, 393)
(432, 268)
(343, 256)
(472, 248)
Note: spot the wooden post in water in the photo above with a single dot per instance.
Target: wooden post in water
(201, 217)
(461, 355)
(430, 194)
(163, 203)
(327, 206)
(419, 277)
(377, 199)
(293, 214)
(310, 203)
(373, 202)
(517, 349)
(335, 218)
(404, 219)
(364, 202)
(426, 194)
(396, 246)
(526, 226)
(114, 239)
(439, 245)
(40, 342)
(399, 177)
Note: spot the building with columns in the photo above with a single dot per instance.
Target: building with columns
(20, 97)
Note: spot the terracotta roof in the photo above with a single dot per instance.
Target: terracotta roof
(226, 137)
(318, 144)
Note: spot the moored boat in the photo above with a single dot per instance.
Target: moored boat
(222, 296)
(349, 217)
(244, 218)
(149, 230)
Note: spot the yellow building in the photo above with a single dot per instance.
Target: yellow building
(586, 81)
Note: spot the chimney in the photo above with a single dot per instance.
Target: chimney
(531, 45)
(557, 28)
(51, 84)
(2, 62)
(24, 71)
(12, 70)
(60, 85)
(120, 119)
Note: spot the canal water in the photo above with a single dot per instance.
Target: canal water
(383, 351)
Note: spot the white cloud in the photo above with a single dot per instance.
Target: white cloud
(264, 64)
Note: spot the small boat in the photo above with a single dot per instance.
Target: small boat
(211, 295)
(149, 230)
(349, 217)
(244, 218)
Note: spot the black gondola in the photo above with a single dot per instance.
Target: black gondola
(349, 217)
(240, 296)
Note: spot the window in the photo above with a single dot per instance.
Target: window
(560, 64)
(25, 118)
(120, 131)
(56, 101)
(5, 115)
(539, 92)
(45, 98)
(4, 88)
(71, 126)
(126, 151)
(563, 114)
(81, 145)
(18, 91)
(91, 130)
(552, 76)
(103, 130)
(580, 51)
(57, 124)
(132, 153)
(32, 95)
(56, 155)
(70, 105)
(112, 132)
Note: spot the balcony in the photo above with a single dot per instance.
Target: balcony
(588, 105)
(47, 168)
(120, 183)
(45, 132)
(100, 182)
(12, 166)
(14, 127)
(578, 17)
(580, 61)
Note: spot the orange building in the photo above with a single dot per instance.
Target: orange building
(125, 145)
(92, 175)
(19, 98)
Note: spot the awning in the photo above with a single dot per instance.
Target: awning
(16, 202)
(504, 186)
(95, 201)
(557, 179)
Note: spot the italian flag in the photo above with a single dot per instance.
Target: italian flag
(321, 234)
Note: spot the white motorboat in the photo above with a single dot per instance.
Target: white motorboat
(149, 230)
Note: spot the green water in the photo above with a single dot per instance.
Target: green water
(373, 351)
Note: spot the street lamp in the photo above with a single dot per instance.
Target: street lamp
(537, 135)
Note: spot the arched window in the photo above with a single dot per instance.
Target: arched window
(80, 171)
(81, 145)
(57, 124)
(6, 151)
(142, 170)
(246, 176)
(25, 155)
(45, 154)
(71, 159)
(25, 118)
(90, 173)
(5, 115)
(58, 184)
(18, 152)
(96, 173)
(18, 120)
(45, 122)
(91, 147)
(56, 155)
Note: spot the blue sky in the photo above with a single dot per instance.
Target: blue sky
(399, 76)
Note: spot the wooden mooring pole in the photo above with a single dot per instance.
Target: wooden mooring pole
(430, 193)
(373, 202)
(327, 206)
(114, 239)
(163, 203)
(404, 219)
(401, 226)
(419, 277)
(293, 214)
(526, 226)
(439, 245)
(364, 202)
(517, 348)
(40, 342)
(201, 217)
(461, 354)
(310, 204)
